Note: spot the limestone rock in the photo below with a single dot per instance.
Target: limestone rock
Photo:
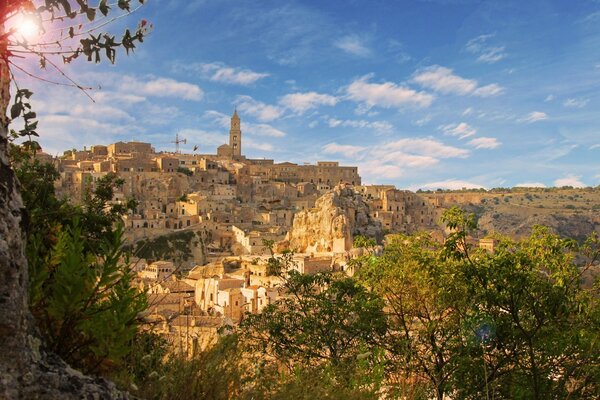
(337, 217)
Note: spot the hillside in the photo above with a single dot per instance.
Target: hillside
(570, 212)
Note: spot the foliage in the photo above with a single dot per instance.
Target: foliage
(87, 308)
(425, 304)
(80, 290)
(327, 324)
(172, 246)
(362, 241)
(510, 324)
(185, 171)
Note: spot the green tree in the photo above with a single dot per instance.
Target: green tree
(543, 339)
(425, 304)
(80, 290)
(79, 37)
(469, 324)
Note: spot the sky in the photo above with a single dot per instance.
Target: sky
(416, 93)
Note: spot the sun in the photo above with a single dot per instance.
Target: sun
(27, 27)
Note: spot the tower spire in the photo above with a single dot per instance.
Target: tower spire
(235, 135)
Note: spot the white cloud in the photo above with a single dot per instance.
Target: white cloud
(302, 102)
(449, 184)
(346, 150)
(219, 72)
(484, 143)
(531, 185)
(468, 111)
(387, 94)
(443, 80)
(570, 180)
(251, 144)
(423, 121)
(486, 53)
(392, 159)
(116, 97)
(575, 103)
(260, 110)
(380, 126)
(461, 130)
(534, 117)
(550, 97)
(262, 130)
(595, 146)
(162, 87)
(354, 45)
(490, 90)
(426, 146)
(219, 118)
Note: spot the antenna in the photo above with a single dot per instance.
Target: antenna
(177, 141)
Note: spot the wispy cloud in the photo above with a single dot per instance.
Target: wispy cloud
(302, 102)
(576, 102)
(461, 130)
(534, 117)
(263, 146)
(443, 80)
(260, 110)
(220, 72)
(392, 159)
(353, 44)
(486, 52)
(263, 130)
(380, 126)
(348, 151)
(531, 185)
(387, 94)
(570, 180)
(484, 143)
(161, 87)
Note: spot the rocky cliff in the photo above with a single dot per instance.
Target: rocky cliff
(332, 224)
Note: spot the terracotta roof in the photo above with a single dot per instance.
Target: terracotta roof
(177, 286)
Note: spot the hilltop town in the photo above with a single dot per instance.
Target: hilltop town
(205, 225)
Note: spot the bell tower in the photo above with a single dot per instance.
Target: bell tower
(235, 136)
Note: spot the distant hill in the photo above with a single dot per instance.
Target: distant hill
(570, 212)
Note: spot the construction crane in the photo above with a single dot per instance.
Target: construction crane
(177, 141)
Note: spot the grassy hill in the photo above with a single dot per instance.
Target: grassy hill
(570, 212)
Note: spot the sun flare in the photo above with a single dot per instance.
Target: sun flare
(28, 28)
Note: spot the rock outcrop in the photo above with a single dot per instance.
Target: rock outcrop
(337, 217)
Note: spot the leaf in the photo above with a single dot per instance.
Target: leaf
(124, 5)
(15, 110)
(30, 115)
(71, 32)
(103, 7)
(90, 13)
(31, 127)
(66, 6)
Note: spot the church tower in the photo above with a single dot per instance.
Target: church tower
(235, 136)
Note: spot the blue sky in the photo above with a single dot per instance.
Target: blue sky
(420, 94)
